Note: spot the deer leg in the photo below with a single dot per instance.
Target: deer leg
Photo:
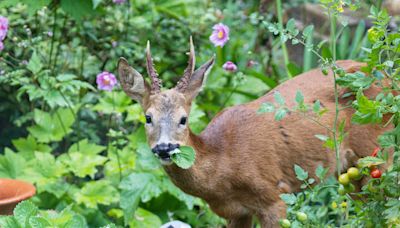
(241, 222)
(270, 218)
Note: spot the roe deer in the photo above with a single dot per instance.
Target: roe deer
(244, 160)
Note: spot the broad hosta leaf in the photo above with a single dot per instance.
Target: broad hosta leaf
(184, 157)
(145, 219)
(97, 192)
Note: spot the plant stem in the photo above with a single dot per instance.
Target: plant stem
(109, 138)
(379, 4)
(332, 20)
(54, 35)
(283, 45)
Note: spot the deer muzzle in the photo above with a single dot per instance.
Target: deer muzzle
(163, 150)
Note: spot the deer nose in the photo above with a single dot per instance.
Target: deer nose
(163, 149)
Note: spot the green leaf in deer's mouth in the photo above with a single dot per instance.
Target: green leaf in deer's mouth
(184, 157)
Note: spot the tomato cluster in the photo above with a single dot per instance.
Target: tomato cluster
(354, 173)
(345, 186)
(300, 216)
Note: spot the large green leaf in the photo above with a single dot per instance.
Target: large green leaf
(52, 127)
(184, 157)
(23, 211)
(97, 192)
(12, 165)
(27, 146)
(144, 219)
(132, 188)
(35, 64)
(86, 147)
(83, 165)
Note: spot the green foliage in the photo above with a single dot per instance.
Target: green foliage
(27, 215)
(184, 157)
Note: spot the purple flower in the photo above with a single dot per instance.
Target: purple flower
(1, 46)
(220, 35)
(229, 66)
(119, 1)
(3, 27)
(106, 81)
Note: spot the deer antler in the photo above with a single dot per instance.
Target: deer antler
(184, 81)
(155, 81)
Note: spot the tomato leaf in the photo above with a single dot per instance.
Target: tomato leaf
(370, 161)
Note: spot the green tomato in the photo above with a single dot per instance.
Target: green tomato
(341, 190)
(353, 173)
(285, 223)
(301, 216)
(350, 188)
(325, 71)
(344, 179)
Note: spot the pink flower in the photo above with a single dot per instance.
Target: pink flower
(106, 81)
(3, 27)
(1, 46)
(229, 66)
(220, 35)
(119, 1)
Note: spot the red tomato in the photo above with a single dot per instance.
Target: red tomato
(375, 153)
(375, 173)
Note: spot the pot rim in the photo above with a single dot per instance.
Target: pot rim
(28, 192)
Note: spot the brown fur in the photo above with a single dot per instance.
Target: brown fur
(245, 160)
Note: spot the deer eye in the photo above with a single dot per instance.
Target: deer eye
(183, 121)
(148, 119)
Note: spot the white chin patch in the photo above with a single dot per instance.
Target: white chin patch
(165, 161)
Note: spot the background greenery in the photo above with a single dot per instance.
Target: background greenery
(85, 149)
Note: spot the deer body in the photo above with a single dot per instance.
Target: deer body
(244, 160)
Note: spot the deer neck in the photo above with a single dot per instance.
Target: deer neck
(195, 180)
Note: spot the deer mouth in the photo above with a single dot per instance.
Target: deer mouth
(165, 159)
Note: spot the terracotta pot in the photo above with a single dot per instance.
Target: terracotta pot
(12, 192)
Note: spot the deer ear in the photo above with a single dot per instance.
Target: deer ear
(198, 79)
(133, 82)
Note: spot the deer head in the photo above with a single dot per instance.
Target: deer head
(166, 111)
